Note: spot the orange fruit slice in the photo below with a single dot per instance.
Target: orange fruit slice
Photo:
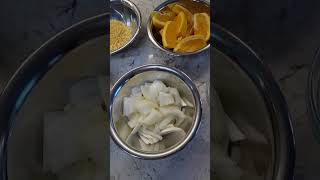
(191, 44)
(201, 25)
(189, 30)
(159, 19)
(168, 12)
(181, 24)
(177, 8)
(169, 35)
(161, 32)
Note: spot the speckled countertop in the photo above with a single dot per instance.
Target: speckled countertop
(193, 162)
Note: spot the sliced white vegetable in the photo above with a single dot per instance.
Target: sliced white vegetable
(136, 91)
(186, 103)
(134, 120)
(148, 132)
(156, 147)
(153, 117)
(145, 139)
(145, 106)
(144, 146)
(165, 99)
(170, 130)
(161, 145)
(250, 132)
(172, 111)
(146, 92)
(157, 87)
(129, 106)
(176, 95)
(234, 132)
(164, 123)
(123, 129)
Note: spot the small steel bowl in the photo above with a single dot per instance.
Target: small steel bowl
(127, 12)
(171, 77)
(195, 6)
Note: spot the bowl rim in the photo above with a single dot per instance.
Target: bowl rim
(35, 66)
(154, 41)
(311, 95)
(136, 10)
(189, 83)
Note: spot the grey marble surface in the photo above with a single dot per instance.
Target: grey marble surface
(193, 162)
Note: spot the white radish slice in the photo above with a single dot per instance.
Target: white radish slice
(164, 123)
(129, 106)
(134, 120)
(136, 91)
(176, 95)
(250, 132)
(150, 139)
(123, 129)
(155, 88)
(172, 111)
(145, 139)
(156, 147)
(161, 146)
(234, 132)
(146, 131)
(145, 89)
(165, 99)
(145, 147)
(170, 130)
(145, 106)
(153, 117)
(186, 103)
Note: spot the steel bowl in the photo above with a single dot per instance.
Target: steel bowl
(313, 95)
(127, 12)
(258, 96)
(155, 37)
(148, 73)
(40, 85)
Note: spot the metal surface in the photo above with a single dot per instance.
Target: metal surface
(177, 74)
(157, 43)
(313, 95)
(256, 69)
(127, 12)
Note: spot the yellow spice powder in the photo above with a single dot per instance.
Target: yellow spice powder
(120, 34)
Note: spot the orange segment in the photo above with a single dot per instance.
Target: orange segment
(201, 25)
(159, 19)
(189, 30)
(168, 12)
(191, 44)
(161, 32)
(177, 8)
(169, 35)
(181, 24)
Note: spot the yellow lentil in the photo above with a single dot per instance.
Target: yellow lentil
(120, 34)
